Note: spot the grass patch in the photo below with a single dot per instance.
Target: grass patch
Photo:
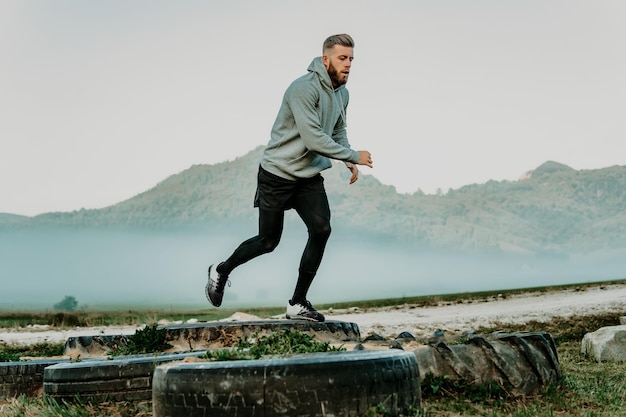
(563, 329)
(281, 343)
(12, 353)
(100, 318)
(46, 407)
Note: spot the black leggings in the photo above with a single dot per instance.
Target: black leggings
(314, 210)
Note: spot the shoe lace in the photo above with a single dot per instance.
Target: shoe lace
(221, 283)
(307, 304)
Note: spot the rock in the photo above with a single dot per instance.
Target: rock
(374, 337)
(405, 335)
(395, 344)
(606, 344)
(438, 333)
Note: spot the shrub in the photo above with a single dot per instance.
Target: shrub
(68, 303)
(150, 339)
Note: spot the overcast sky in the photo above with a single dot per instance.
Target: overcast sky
(101, 100)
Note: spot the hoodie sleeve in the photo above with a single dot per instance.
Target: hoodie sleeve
(304, 100)
(339, 132)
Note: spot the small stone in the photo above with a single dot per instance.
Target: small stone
(438, 333)
(405, 335)
(374, 337)
(394, 344)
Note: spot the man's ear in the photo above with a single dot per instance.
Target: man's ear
(325, 61)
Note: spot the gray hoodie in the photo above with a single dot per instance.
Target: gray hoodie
(310, 127)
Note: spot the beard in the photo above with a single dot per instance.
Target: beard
(334, 77)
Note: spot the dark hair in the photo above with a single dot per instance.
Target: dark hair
(341, 39)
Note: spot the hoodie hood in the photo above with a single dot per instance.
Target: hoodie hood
(317, 67)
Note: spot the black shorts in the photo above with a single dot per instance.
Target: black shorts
(277, 193)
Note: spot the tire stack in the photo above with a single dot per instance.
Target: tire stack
(318, 384)
(127, 378)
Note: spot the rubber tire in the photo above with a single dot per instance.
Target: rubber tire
(23, 377)
(317, 384)
(522, 363)
(128, 378)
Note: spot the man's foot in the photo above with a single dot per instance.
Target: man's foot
(303, 310)
(214, 289)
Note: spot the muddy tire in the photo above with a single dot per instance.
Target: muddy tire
(24, 377)
(318, 384)
(128, 378)
(521, 363)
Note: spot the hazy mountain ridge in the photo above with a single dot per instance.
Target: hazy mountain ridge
(554, 209)
(12, 219)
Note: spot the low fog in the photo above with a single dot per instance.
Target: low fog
(166, 269)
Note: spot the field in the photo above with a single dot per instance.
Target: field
(587, 388)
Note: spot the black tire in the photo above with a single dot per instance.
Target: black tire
(128, 378)
(24, 377)
(521, 363)
(318, 384)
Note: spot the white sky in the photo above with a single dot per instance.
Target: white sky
(101, 100)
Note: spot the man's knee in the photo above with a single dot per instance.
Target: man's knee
(322, 231)
(269, 244)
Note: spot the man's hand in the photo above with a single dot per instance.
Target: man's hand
(365, 158)
(355, 172)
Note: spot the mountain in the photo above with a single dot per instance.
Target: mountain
(555, 225)
(7, 219)
(553, 208)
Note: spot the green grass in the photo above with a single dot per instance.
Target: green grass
(97, 318)
(43, 407)
(10, 353)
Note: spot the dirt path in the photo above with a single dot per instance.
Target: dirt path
(461, 317)
(388, 322)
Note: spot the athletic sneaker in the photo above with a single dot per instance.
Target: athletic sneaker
(303, 311)
(214, 289)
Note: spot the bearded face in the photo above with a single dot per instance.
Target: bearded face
(338, 61)
(336, 77)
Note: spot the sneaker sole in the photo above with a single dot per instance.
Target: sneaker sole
(206, 290)
(206, 287)
(302, 318)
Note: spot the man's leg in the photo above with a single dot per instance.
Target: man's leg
(314, 210)
(270, 231)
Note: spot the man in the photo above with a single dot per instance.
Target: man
(309, 131)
